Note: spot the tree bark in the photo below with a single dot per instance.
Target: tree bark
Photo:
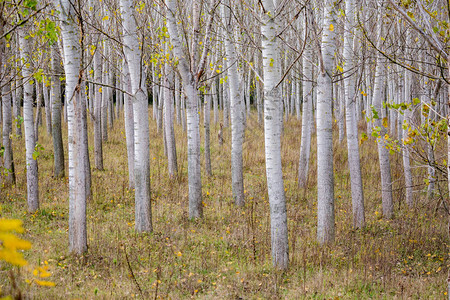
(383, 153)
(77, 138)
(58, 150)
(193, 126)
(237, 111)
(305, 143)
(168, 122)
(30, 141)
(325, 176)
(350, 118)
(8, 161)
(143, 215)
(272, 134)
(129, 123)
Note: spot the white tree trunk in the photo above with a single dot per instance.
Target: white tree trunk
(272, 134)
(237, 111)
(77, 140)
(305, 143)
(226, 99)
(159, 115)
(215, 97)
(177, 99)
(8, 161)
(341, 101)
(17, 99)
(143, 215)
(30, 141)
(168, 122)
(325, 179)
(129, 123)
(193, 126)
(37, 116)
(406, 160)
(206, 124)
(98, 95)
(155, 90)
(48, 108)
(350, 118)
(383, 153)
(58, 149)
(105, 93)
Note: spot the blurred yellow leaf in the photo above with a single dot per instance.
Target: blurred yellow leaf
(44, 283)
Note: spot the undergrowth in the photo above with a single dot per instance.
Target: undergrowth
(226, 255)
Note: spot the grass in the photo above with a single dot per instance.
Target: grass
(226, 255)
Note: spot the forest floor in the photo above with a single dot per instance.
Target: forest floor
(226, 255)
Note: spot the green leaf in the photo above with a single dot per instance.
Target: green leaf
(374, 113)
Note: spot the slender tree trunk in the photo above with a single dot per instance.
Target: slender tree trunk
(177, 99)
(206, 124)
(129, 123)
(48, 108)
(305, 144)
(17, 100)
(272, 133)
(58, 149)
(8, 161)
(143, 215)
(77, 136)
(193, 127)
(298, 98)
(105, 94)
(341, 101)
(30, 141)
(98, 141)
(383, 153)
(350, 118)
(237, 112)
(168, 122)
(37, 116)
(155, 96)
(110, 97)
(215, 95)
(226, 100)
(405, 148)
(325, 179)
(183, 112)
(159, 115)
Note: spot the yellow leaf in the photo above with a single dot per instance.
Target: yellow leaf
(331, 27)
(105, 18)
(11, 225)
(12, 257)
(10, 241)
(44, 283)
(385, 122)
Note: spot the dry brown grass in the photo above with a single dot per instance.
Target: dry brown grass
(227, 254)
